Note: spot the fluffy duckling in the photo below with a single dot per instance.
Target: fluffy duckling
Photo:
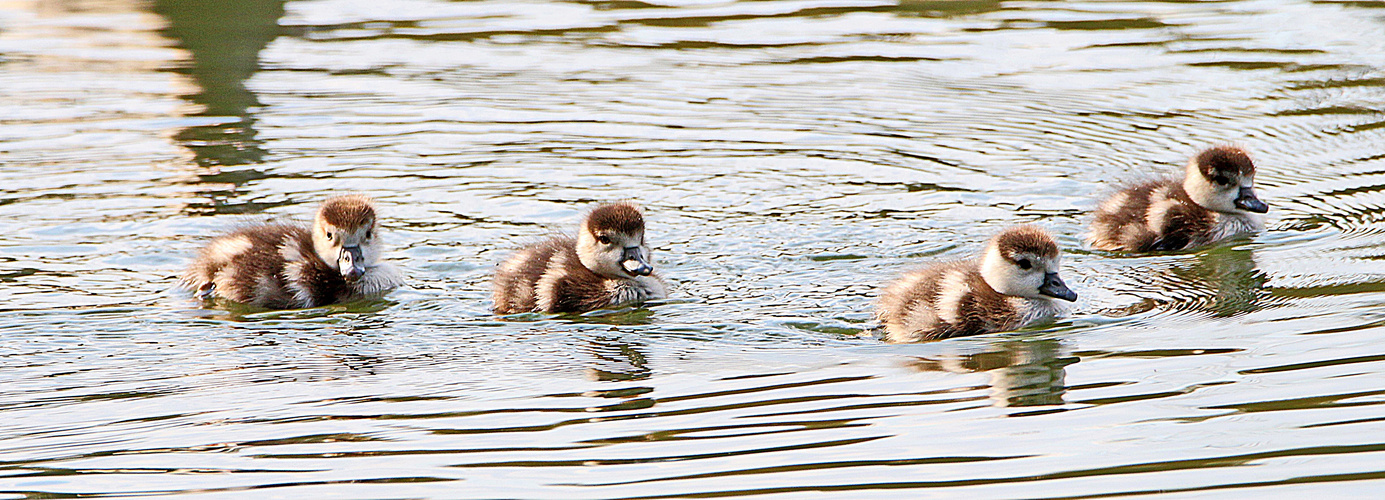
(1011, 285)
(283, 266)
(607, 265)
(1214, 201)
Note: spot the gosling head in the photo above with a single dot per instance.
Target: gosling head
(611, 242)
(345, 235)
(1023, 261)
(1222, 179)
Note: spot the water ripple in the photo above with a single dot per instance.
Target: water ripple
(791, 156)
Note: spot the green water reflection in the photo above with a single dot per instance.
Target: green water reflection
(223, 39)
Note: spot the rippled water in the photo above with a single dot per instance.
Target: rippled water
(792, 156)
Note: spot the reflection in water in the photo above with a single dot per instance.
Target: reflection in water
(614, 359)
(1023, 372)
(1232, 278)
(1222, 281)
(224, 38)
(764, 135)
(946, 8)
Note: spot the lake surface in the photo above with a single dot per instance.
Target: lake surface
(792, 156)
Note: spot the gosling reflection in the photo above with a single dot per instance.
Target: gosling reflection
(1023, 372)
(946, 8)
(224, 38)
(1231, 279)
(613, 359)
(1220, 281)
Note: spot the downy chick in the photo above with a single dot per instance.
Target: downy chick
(607, 265)
(1215, 200)
(286, 266)
(1012, 284)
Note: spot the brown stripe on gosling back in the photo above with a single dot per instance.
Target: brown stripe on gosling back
(348, 211)
(1026, 239)
(1229, 161)
(618, 217)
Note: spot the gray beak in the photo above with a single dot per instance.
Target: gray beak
(1247, 201)
(1054, 287)
(351, 263)
(633, 262)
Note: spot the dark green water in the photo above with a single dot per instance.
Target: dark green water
(792, 157)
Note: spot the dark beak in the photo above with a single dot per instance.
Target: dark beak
(1247, 201)
(633, 262)
(351, 263)
(1054, 287)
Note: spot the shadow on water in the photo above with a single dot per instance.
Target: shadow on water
(1023, 372)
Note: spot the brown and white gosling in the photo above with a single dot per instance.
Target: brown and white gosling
(1010, 286)
(1215, 200)
(607, 265)
(287, 266)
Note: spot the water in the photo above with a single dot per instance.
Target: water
(792, 157)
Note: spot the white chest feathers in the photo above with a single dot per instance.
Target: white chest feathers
(1034, 311)
(1230, 225)
(379, 279)
(638, 289)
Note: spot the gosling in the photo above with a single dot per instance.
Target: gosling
(607, 265)
(1010, 286)
(287, 266)
(1214, 201)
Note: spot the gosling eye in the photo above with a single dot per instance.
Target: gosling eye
(1221, 180)
(605, 240)
(1024, 264)
(368, 233)
(329, 236)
